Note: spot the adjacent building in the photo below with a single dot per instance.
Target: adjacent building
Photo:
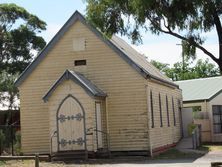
(205, 97)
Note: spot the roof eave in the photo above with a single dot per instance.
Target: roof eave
(68, 75)
(195, 101)
(77, 16)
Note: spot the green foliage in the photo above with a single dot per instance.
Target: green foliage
(2, 140)
(2, 163)
(173, 153)
(17, 145)
(7, 85)
(18, 42)
(183, 19)
(190, 128)
(201, 69)
(18, 37)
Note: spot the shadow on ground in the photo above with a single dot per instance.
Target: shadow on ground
(170, 156)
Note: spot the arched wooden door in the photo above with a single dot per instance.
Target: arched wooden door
(71, 125)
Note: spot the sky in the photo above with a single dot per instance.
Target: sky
(163, 48)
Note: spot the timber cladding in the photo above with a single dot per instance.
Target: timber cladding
(164, 135)
(125, 110)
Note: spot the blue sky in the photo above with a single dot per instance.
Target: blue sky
(56, 12)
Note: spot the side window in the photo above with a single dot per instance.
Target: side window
(174, 115)
(217, 118)
(151, 105)
(160, 108)
(167, 110)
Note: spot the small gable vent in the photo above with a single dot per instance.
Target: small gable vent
(80, 62)
(79, 44)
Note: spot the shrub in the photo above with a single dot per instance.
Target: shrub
(17, 145)
(2, 140)
(190, 128)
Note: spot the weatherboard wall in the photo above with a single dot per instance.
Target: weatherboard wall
(126, 113)
(87, 102)
(125, 87)
(164, 135)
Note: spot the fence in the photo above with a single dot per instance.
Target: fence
(201, 115)
(10, 139)
(9, 132)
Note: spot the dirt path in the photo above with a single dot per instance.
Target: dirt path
(204, 161)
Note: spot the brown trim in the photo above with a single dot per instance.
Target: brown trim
(163, 148)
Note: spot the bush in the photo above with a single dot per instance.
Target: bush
(190, 128)
(2, 141)
(17, 145)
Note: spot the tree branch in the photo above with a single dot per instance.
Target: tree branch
(194, 44)
(185, 39)
(218, 29)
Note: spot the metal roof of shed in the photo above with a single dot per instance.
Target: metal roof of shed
(200, 89)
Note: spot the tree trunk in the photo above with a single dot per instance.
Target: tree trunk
(220, 66)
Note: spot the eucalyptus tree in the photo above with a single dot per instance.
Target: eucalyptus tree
(184, 19)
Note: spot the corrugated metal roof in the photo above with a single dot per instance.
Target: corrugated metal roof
(138, 58)
(88, 84)
(132, 57)
(200, 89)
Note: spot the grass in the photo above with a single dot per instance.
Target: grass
(176, 154)
(2, 163)
(207, 147)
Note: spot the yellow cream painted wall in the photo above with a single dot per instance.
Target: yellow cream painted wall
(164, 135)
(125, 88)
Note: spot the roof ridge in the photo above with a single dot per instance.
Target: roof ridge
(197, 79)
(90, 88)
(132, 61)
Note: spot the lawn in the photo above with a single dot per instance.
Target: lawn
(211, 147)
(2, 163)
(176, 154)
(28, 163)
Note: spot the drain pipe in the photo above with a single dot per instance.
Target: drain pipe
(148, 121)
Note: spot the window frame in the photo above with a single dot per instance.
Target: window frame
(167, 109)
(174, 114)
(160, 108)
(151, 107)
(220, 115)
(80, 62)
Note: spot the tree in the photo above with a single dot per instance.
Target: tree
(183, 19)
(204, 69)
(18, 41)
(18, 37)
(8, 92)
(180, 71)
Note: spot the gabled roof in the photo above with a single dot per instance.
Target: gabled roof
(124, 50)
(79, 79)
(139, 59)
(200, 89)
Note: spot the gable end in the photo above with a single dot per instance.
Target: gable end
(77, 16)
